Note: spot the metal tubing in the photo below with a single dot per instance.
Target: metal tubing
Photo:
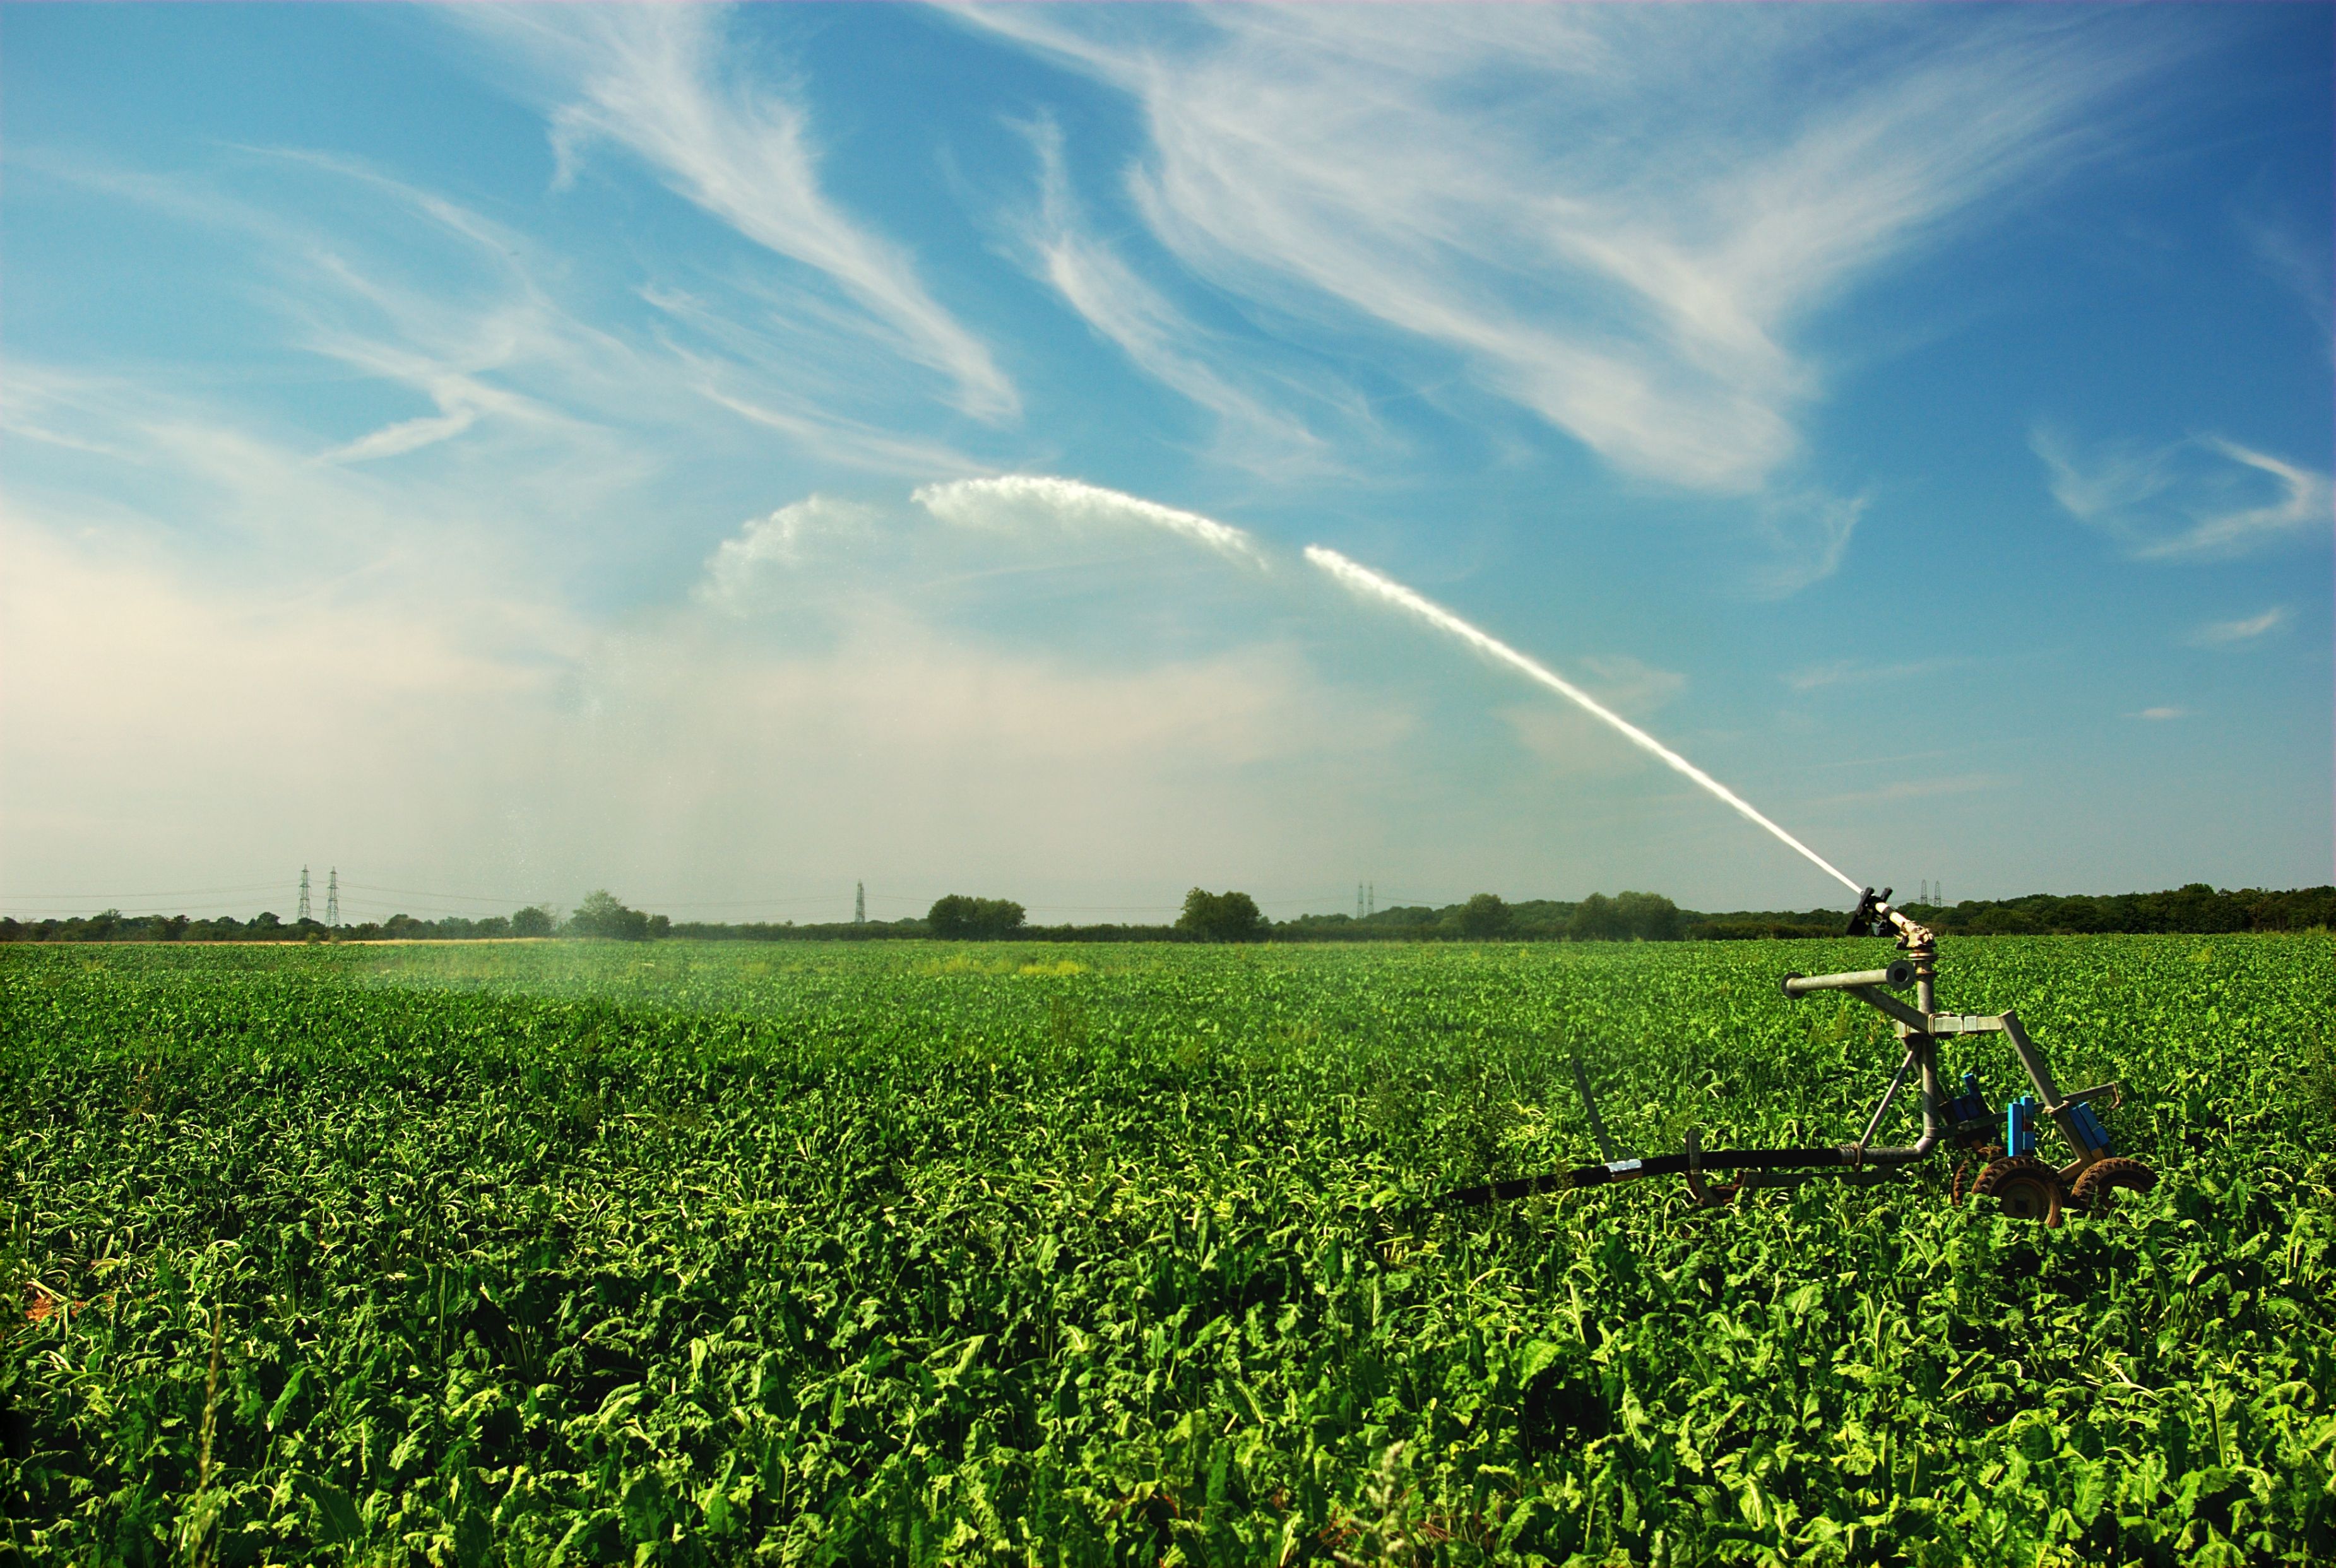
(1590, 1104)
(1922, 1043)
(1882, 1001)
(1897, 977)
(1926, 1049)
(1888, 1095)
(2039, 1071)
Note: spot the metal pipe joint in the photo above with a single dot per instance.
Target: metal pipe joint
(1897, 977)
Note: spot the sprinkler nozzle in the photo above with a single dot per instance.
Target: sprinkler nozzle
(1868, 918)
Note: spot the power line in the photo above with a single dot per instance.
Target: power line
(166, 893)
(49, 912)
(795, 901)
(443, 897)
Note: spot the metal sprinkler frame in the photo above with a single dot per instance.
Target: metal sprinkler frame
(2012, 1174)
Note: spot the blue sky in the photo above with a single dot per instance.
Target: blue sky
(725, 455)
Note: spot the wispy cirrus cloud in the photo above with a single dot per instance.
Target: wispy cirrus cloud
(1580, 205)
(661, 83)
(2245, 629)
(407, 294)
(1807, 533)
(1865, 672)
(1915, 790)
(2205, 498)
(2294, 263)
(1097, 281)
(2162, 714)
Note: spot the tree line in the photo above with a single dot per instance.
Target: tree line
(1234, 916)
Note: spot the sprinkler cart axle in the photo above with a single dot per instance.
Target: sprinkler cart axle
(2002, 1143)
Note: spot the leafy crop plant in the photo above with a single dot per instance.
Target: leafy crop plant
(700, 1253)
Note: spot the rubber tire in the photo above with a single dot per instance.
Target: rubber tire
(2023, 1186)
(1982, 1152)
(2099, 1180)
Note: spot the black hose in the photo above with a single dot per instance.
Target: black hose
(1591, 1176)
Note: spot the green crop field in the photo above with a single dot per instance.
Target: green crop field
(904, 1253)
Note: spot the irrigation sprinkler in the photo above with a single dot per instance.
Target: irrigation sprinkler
(1998, 1148)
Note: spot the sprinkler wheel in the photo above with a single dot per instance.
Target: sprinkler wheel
(1982, 1153)
(2023, 1186)
(2098, 1183)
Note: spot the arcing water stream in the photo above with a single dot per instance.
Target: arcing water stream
(1368, 584)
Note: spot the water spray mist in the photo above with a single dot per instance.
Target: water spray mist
(1363, 581)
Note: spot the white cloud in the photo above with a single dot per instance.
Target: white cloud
(406, 436)
(1914, 789)
(170, 726)
(667, 83)
(2299, 501)
(847, 442)
(1597, 212)
(2203, 497)
(1807, 535)
(168, 719)
(2301, 266)
(2246, 629)
(1863, 672)
(2159, 715)
(1141, 322)
(2105, 485)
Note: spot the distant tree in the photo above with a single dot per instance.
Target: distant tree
(533, 921)
(1485, 916)
(1222, 917)
(265, 923)
(959, 919)
(1648, 917)
(1595, 919)
(492, 925)
(2002, 920)
(601, 915)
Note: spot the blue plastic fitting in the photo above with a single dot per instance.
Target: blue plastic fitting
(2089, 1129)
(1970, 1106)
(2020, 1126)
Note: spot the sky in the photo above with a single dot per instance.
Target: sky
(732, 456)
